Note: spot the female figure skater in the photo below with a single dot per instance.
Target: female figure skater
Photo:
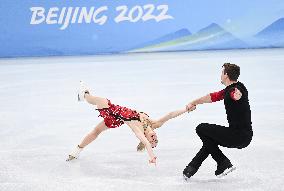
(115, 115)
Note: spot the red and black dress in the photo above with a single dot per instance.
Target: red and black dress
(115, 115)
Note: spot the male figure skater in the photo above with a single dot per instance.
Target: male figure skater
(237, 135)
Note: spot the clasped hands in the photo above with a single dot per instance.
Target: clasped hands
(190, 107)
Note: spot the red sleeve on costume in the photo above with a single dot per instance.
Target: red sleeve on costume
(217, 96)
(232, 94)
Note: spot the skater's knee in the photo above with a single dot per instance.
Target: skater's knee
(200, 128)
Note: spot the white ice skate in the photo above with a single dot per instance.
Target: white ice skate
(82, 91)
(75, 153)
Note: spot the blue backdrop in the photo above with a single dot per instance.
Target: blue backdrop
(77, 27)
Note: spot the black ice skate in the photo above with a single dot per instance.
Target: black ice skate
(189, 171)
(224, 168)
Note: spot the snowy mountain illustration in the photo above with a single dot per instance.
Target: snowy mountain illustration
(272, 35)
(168, 37)
(210, 37)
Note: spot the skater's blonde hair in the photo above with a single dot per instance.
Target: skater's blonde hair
(146, 123)
(140, 147)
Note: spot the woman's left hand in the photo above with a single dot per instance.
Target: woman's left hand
(153, 160)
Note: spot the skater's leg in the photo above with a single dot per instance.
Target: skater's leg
(87, 140)
(209, 147)
(199, 158)
(195, 163)
(93, 134)
(98, 101)
(213, 135)
(210, 134)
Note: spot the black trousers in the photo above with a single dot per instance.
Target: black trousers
(213, 135)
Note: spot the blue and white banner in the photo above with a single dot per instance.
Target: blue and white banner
(79, 27)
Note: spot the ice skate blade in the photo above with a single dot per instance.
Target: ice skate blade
(226, 172)
(185, 178)
(79, 99)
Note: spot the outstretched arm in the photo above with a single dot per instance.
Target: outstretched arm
(209, 98)
(171, 115)
(204, 99)
(140, 135)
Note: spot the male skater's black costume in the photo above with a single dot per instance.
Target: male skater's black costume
(237, 135)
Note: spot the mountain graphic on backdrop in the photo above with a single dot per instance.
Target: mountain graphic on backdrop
(272, 35)
(210, 37)
(168, 37)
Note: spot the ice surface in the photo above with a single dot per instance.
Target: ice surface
(41, 121)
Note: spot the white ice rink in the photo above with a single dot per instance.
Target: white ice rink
(41, 121)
